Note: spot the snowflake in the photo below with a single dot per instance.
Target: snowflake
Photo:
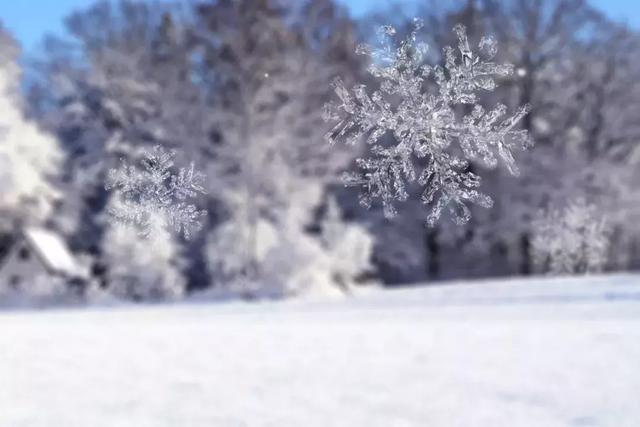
(152, 195)
(572, 240)
(426, 124)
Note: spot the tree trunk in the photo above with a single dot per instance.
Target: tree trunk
(525, 251)
(433, 250)
(251, 214)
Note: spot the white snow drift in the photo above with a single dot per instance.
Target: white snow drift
(536, 353)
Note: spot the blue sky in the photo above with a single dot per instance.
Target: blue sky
(30, 20)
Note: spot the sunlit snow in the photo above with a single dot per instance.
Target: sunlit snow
(561, 352)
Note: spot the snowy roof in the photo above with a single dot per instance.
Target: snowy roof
(52, 251)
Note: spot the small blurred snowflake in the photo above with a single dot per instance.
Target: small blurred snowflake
(572, 240)
(151, 195)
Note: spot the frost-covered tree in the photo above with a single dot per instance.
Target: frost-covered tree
(574, 68)
(292, 260)
(29, 157)
(142, 269)
(120, 85)
(236, 86)
(349, 247)
(605, 134)
(282, 248)
(427, 125)
(270, 65)
(554, 44)
(572, 240)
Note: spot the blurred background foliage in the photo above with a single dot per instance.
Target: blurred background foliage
(237, 86)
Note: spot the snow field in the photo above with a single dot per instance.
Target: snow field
(390, 358)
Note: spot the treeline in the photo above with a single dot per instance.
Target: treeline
(238, 86)
(575, 68)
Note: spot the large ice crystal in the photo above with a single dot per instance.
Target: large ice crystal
(410, 117)
(151, 195)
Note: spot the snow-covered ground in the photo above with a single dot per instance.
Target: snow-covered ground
(562, 352)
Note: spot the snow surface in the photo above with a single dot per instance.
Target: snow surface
(561, 352)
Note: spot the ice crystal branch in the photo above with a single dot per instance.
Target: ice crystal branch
(152, 195)
(426, 122)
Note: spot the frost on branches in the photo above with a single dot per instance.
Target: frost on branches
(427, 124)
(572, 240)
(153, 196)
